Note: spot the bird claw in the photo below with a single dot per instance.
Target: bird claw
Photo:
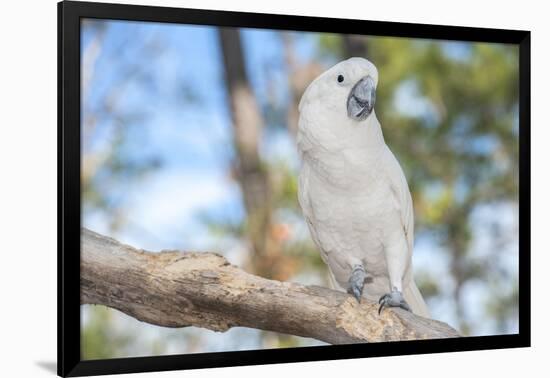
(393, 299)
(356, 282)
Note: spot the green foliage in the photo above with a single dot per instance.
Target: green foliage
(99, 339)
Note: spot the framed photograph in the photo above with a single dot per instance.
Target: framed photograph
(239, 188)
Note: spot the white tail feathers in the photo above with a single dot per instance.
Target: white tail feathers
(414, 299)
(332, 282)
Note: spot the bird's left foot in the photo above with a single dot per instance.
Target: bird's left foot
(393, 299)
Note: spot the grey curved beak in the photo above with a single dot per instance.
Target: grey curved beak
(361, 99)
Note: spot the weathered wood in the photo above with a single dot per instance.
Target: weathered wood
(176, 289)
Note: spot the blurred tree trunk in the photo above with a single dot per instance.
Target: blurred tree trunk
(251, 174)
(355, 46)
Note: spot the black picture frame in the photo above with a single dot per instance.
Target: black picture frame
(69, 216)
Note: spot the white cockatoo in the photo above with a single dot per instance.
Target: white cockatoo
(352, 190)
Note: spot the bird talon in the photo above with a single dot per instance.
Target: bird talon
(393, 299)
(356, 282)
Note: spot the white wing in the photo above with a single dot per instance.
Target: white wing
(402, 195)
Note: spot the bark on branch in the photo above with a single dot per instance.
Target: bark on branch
(176, 289)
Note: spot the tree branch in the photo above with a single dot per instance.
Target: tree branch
(175, 289)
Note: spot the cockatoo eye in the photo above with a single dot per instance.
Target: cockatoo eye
(340, 78)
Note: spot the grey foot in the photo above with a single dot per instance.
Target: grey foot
(393, 299)
(357, 281)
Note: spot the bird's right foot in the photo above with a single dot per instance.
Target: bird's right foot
(357, 281)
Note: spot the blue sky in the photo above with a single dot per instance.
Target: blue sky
(193, 140)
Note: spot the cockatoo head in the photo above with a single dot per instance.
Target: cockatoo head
(348, 89)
